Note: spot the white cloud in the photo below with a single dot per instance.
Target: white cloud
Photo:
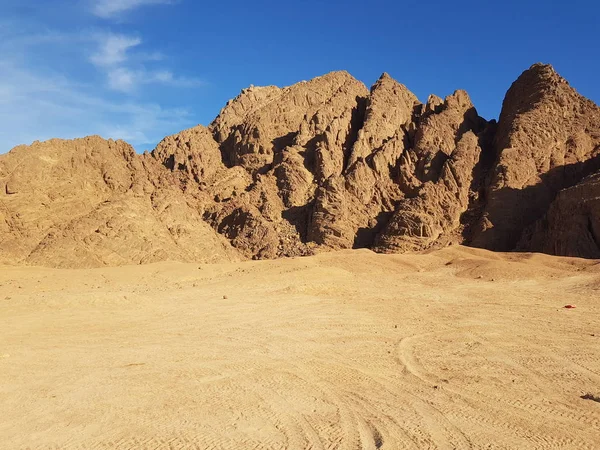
(40, 106)
(167, 77)
(72, 83)
(113, 49)
(108, 9)
(122, 79)
(128, 81)
(124, 67)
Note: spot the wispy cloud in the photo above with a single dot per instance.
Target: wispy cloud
(128, 81)
(122, 79)
(126, 69)
(108, 9)
(41, 106)
(167, 77)
(113, 49)
(67, 83)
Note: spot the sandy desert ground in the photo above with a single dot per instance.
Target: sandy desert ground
(460, 348)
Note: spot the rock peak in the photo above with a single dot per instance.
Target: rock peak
(540, 66)
(334, 75)
(540, 75)
(547, 139)
(386, 82)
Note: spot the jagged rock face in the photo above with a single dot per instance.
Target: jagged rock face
(323, 164)
(289, 141)
(263, 121)
(193, 154)
(390, 109)
(412, 165)
(371, 180)
(337, 163)
(422, 221)
(571, 227)
(91, 202)
(548, 139)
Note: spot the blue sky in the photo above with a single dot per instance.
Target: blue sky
(142, 69)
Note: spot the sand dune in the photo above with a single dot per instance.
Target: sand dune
(460, 348)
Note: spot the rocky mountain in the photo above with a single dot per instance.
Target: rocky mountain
(323, 164)
(91, 202)
(548, 139)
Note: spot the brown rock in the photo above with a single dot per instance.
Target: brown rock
(91, 202)
(571, 227)
(548, 139)
(262, 121)
(420, 222)
(193, 153)
(329, 225)
(389, 110)
(290, 142)
(294, 180)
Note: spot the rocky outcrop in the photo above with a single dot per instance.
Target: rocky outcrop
(433, 215)
(193, 154)
(390, 109)
(323, 164)
(548, 139)
(91, 202)
(402, 146)
(261, 122)
(571, 227)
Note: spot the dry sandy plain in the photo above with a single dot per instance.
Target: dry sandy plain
(456, 349)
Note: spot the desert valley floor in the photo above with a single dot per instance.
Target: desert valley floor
(458, 348)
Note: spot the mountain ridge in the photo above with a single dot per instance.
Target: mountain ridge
(322, 164)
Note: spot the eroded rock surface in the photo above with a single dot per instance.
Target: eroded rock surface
(571, 227)
(91, 202)
(548, 139)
